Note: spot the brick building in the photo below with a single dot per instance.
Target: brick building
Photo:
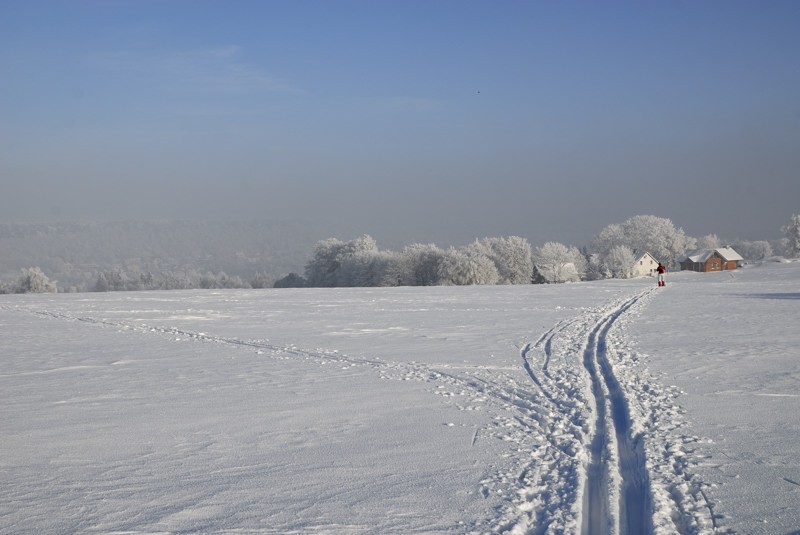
(719, 259)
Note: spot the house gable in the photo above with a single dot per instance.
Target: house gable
(644, 266)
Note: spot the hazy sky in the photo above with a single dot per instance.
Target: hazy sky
(413, 121)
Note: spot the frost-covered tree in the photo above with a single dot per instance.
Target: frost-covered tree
(537, 277)
(117, 280)
(209, 281)
(323, 268)
(461, 267)
(325, 261)
(177, 280)
(596, 268)
(34, 281)
(418, 265)
(101, 285)
(608, 238)
(580, 262)
(754, 250)
(780, 247)
(792, 233)
(147, 281)
(221, 280)
(511, 256)
(759, 250)
(645, 233)
(709, 241)
(260, 280)
(619, 261)
(368, 269)
(556, 262)
(658, 236)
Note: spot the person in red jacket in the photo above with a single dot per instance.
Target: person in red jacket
(660, 270)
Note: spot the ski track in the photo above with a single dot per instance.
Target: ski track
(628, 470)
(597, 440)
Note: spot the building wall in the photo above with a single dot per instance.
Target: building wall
(730, 264)
(645, 267)
(717, 263)
(713, 264)
(688, 265)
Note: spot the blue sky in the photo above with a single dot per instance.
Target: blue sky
(412, 121)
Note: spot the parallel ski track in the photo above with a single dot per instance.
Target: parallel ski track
(601, 416)
(628, 459)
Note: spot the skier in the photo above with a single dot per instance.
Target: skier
(660, 270)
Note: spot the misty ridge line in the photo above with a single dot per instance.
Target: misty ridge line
(141, 255)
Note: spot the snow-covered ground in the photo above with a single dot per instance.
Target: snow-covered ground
(604, 407)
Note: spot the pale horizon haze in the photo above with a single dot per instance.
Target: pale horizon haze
(411, 121)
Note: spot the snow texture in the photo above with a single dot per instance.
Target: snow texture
(605, 407)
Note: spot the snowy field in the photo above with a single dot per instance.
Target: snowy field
(603, 407)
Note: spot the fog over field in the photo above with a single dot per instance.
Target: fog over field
(413, 122)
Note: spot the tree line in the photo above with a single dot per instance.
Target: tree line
(498, 260)
(511, 260)
(33, 280)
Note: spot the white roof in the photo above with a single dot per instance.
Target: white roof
(701, 255)
(729, 254)
(644, 255)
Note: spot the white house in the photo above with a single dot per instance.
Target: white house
(644, 266)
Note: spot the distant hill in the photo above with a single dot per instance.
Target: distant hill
(75, 253)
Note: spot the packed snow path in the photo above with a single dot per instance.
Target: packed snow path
(574, 437)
